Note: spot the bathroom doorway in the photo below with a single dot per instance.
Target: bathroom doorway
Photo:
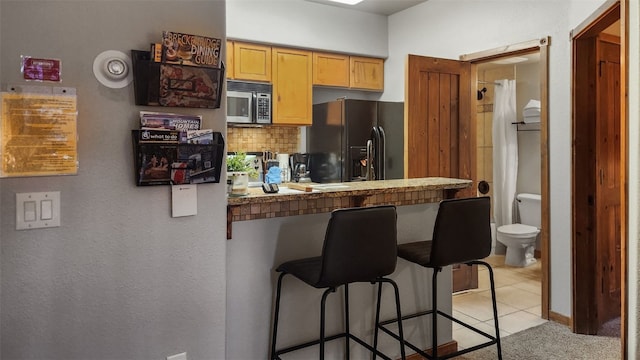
(599, 173)
(527, 64)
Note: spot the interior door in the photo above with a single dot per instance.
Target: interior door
(608, 229)
(440, 138)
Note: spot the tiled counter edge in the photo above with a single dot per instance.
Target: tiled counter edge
(400, 192)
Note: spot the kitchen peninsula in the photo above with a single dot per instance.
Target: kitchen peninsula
(269, 229)
(327, 197)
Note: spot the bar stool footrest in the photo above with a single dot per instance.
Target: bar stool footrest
(276, 355)
(492, 339)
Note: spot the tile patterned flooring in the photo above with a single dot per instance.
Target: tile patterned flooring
(518, 294)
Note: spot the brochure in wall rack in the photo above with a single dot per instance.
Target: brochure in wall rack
(168, 121)
(38, 134)
(194, 50)
(165, 157)
(189, 86)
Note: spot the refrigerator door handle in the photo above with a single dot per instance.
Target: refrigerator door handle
(368, 175)
(375, 136)
(381, 154)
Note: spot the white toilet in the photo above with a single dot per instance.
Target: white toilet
(520, 239)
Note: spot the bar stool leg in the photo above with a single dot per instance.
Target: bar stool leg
(434, 315)
(495, 310)
(400, 336)
(375, 330)
(403, 356)
(346, 321)
(275, 318)
(322, 321)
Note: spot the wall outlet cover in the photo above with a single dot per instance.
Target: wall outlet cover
(182, 356)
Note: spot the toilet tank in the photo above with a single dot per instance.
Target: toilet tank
(530, 209)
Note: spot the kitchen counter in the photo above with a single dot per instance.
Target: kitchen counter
(328, 197)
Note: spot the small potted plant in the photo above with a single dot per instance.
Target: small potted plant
(238, 171)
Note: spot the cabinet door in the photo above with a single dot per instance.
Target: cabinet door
(229, 64)
(366, 73)
(330, 69)
(251, 62)
(292, 86)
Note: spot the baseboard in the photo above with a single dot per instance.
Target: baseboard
(559, 318)
(444, 349)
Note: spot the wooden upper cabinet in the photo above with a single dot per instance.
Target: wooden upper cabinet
(251, 62)
(292, 87)
(229, 64)
(366, 73)
(330, 69)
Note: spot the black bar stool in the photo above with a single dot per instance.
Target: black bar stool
(462, 235)
(359, 246)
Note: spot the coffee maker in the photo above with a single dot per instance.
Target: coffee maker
(299, 165)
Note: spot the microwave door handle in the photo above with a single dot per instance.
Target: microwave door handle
(382, 155)
(254, 107)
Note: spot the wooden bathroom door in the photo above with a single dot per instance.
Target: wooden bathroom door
(440, 140)
(608, 201)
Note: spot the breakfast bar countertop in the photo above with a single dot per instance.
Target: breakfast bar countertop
(327, 197)
(360, 188)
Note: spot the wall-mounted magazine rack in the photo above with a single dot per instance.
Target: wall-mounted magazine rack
(172, 163)
(161, 84)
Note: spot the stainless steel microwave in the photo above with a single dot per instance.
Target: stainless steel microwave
(248, 103)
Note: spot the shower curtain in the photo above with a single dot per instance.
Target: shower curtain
(505, 151)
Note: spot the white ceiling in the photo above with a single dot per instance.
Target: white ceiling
(382, 7)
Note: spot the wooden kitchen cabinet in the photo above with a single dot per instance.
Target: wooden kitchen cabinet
(251, 62)
(229, 65)
(366, 73)
(330, 69)
(292, 87)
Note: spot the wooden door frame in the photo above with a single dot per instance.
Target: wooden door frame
(537, 45)
(583, 301)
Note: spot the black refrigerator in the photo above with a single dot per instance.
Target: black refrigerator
(356, 140)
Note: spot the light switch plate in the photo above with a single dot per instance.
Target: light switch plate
(47, 201)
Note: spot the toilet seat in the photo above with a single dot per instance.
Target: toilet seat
(518, 231)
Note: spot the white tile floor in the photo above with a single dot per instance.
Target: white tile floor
(518, 297)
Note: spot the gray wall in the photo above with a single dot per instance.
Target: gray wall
(120, 279)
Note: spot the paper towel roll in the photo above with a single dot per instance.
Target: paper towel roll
(283, 160)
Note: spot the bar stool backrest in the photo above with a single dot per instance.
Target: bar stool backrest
(462, 231)
(360, 245)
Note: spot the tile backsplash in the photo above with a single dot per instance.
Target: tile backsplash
(278, 139)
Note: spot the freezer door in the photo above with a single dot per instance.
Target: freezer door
(359, 118)
(325, 143)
